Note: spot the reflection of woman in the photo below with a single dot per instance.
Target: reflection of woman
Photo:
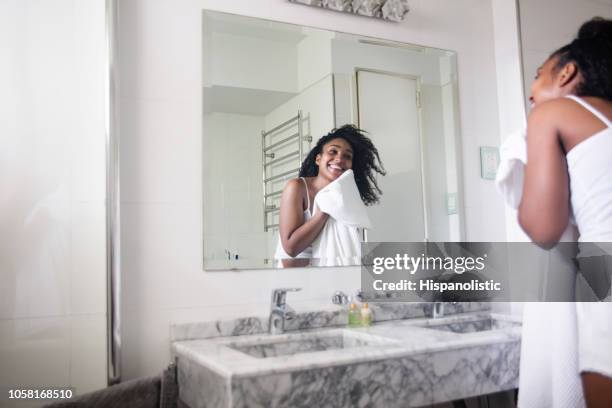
(569, 147)
(340, 150)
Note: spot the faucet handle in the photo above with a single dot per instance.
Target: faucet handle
(279, 295)
(340, 298)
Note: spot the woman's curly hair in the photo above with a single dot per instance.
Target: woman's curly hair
(591, 51)
(366, 161)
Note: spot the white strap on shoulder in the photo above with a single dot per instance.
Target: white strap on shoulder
(591, 109)
(307, 194)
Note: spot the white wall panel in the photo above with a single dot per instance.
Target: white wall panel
(52, 209)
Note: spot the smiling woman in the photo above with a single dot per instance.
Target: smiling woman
(301, 222)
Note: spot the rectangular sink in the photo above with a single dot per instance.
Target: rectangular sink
(480, 324)
(299, 344)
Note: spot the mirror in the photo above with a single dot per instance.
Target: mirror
(272, 90)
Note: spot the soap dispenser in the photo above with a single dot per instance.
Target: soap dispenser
(366, 315)
(354, 316)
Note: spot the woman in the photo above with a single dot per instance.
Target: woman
(569, 171)
(340, 150)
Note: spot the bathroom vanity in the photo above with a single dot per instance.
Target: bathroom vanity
(406, 358)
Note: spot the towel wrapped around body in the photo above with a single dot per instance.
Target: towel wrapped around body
(339, 243)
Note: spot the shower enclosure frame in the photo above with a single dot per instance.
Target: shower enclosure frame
(113, 243)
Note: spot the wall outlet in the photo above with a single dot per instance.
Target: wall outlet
(489, 161)
(451, 203)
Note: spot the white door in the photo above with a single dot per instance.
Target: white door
(388, 112)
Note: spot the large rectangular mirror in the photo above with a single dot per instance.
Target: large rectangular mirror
(272, 90)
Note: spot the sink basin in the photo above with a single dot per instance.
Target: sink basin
(477, 324)
(298, 344)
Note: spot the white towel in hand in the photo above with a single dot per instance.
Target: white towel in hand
(339, 243)
(511, 170)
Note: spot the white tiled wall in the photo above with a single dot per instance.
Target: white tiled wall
(52, 210)
(232, 191)
(161, 131)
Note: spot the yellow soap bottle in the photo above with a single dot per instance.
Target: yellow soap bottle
(366, 315)
(354, 316)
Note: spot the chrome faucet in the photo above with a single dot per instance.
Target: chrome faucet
(340, 298)
(438, 310)
(280, 311)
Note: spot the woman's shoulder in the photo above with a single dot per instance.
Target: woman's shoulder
(553, 108)
(295, 183)
(295, 191)
(299, 182)
(560, 107)
(559, 112)
(295, 186)
(566, 119)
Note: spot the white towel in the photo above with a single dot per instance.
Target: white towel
(339, 243)
(549, 375)
(511, 170)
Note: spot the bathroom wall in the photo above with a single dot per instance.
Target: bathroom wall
(272, 64)
(314, 57)
(161, 128)
(541, 34)
(439, 159)
(317, 104)
(52, 199)
(232, 214)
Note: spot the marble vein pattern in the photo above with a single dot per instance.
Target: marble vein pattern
(411, 381)
(395, 363)
(197, 384)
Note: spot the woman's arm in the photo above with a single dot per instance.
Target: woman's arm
(597, 390)
(296, 235)
(544, 208)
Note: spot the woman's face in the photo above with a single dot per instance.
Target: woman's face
(553, 82)
(544, 87)
(335, 158)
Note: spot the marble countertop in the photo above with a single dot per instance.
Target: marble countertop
(403, 338)
(400, 361)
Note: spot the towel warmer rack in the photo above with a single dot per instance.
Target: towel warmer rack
(277, 154)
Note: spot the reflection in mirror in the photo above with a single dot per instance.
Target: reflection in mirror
(271, 91)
